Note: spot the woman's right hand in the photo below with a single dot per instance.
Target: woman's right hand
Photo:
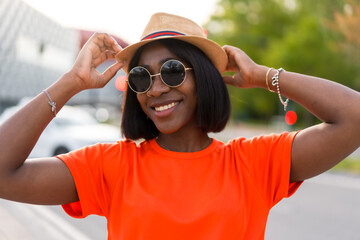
(99, 48)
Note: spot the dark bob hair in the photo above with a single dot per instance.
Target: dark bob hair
(213, 103)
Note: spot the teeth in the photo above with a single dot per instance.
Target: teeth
(165, 107)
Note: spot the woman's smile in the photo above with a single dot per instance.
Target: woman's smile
(166, 107)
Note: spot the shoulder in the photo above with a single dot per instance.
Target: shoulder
(100, 151)
(122, 149)
(263, 144)
(264, 140)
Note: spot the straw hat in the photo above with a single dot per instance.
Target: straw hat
(164, 25)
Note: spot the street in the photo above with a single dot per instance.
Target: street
(325, 207)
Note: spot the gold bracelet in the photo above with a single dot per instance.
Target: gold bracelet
(267, 81)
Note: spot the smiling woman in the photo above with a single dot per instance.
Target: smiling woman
(211, 99)
(178, 183)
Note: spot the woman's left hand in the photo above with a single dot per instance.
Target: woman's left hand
(247, 74)
(317, 148)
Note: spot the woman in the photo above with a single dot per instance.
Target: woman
(178, 183)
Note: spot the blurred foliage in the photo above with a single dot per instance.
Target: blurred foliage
(319, 38)
(349, 165)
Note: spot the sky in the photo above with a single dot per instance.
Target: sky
(123, 18)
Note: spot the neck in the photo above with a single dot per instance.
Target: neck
(184, 142)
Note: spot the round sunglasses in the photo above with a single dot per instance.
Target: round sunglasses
(172, 74)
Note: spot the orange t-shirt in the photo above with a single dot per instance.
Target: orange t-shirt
(146, 192)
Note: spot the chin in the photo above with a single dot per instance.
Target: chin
(167, 129)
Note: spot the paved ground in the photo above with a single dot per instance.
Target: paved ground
(324, 208)
(32, 222)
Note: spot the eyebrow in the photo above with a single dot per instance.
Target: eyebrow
(161, 62)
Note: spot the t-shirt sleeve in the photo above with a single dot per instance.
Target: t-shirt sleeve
(268, 159)
(88, 166)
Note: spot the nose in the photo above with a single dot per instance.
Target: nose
(158, 87)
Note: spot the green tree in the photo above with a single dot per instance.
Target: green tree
(294, 34)
(346, 23)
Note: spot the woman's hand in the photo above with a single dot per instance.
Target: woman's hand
(99, 48)
(48, 180)
(247, 73)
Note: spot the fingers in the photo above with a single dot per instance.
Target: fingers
(101, 57)
(110, 72)
(232, 65)
(243, 65)
(105, 42)
(99, 48)
(238, 59)
(103, 47)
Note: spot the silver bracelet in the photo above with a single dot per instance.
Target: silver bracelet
(51, 103)
(276, 83)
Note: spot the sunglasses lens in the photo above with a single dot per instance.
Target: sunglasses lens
(173, 73)
(139, 79)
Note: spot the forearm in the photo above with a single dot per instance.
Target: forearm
(329, 101)
(19, 134)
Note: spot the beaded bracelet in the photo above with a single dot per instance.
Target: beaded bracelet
(276, 83)
(51, 103)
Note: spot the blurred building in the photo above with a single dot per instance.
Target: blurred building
(35, 51)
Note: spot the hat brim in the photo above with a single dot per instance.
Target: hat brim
(211, 49)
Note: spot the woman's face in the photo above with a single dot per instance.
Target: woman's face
(171, 109)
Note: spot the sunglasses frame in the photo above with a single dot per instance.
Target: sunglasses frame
(158, 74)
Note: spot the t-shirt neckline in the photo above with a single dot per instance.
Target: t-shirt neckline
(214, 144)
